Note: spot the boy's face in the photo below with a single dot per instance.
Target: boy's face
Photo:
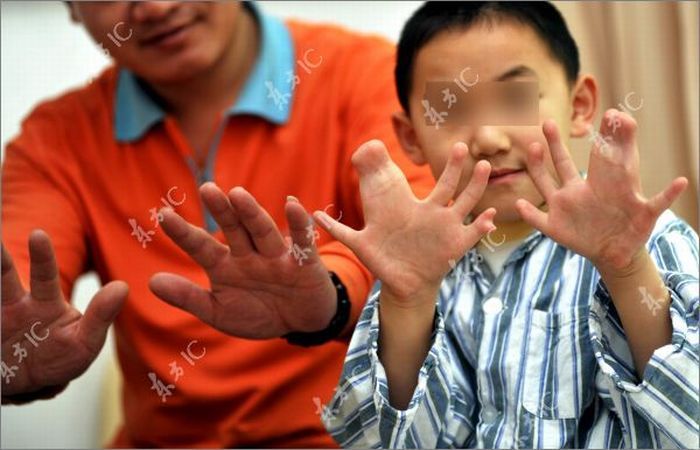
(161, 41)
(500, 53)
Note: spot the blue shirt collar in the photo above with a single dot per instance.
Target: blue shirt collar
(266, 93)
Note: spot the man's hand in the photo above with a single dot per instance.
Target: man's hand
(258, 288)
(54, 342)
(407, 243)
(605, 217)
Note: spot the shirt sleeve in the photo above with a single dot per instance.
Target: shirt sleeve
(440, 414)
(38, 192)
(666, 399)
(369, 101)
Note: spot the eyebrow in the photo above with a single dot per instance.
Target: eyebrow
(516, 72)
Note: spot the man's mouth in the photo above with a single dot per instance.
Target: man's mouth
(166, 36)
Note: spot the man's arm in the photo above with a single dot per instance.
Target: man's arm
(45, 341)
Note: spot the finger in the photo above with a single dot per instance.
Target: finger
(566, 169)
(471, 195)
(226, 217)
(202, 247)
(539, 173)
(302, 230)
(664, 199)
(449, 180)
(480, 226)
(44, 283)
(101, 313)
(266, 237)
(184, 294)
(12, 290)
(379, 176)
(370, 157)
(532, 215)
(339, 231)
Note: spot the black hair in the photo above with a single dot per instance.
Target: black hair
(432, 18)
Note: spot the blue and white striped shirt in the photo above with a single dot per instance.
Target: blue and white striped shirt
(534, 358)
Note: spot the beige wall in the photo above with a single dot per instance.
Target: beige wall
(650, 49)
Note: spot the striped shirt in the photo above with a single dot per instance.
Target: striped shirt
(534, 358)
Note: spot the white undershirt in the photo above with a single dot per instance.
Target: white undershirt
(496, 255)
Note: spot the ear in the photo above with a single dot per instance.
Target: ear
(73, 11)
(406, 133)
(584, 100)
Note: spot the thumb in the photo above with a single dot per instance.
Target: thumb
(370, 157)
(339, 231)
(100, 314)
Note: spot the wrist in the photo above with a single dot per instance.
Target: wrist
(417, 301)
(44, 393)
(337, 323)
(639, 263)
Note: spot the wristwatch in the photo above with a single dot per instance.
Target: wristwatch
(333, 330)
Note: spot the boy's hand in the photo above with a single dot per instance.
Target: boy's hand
(406, 242)
(605, 217)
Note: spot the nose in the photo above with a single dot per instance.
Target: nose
(152, 11)
(488, 141)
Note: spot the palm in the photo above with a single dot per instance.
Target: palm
(261, 298)
(409, 242)
(45, 340)
(258, 289)
(604, 217)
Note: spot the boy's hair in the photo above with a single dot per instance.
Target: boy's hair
(435, 17)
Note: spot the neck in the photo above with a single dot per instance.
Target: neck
(511, 231)
(218, 87)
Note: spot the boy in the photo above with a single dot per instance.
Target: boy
(572, 332)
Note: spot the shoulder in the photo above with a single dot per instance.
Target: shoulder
(340, 46)
(74, 111)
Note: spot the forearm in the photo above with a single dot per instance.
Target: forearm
(404, 341)
(642, 302)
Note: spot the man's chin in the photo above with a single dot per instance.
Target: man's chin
(173, 69)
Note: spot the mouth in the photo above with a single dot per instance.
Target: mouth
(165, 37)
(499, 176)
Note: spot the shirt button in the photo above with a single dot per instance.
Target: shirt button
(489, 414)
(492, 305)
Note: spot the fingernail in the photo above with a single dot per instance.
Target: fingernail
(291, 198)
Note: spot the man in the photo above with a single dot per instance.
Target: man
(200, 93)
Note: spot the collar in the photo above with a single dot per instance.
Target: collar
(267, 92)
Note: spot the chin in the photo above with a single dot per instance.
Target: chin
(185, 64)
(175, 70)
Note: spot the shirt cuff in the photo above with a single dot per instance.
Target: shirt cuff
(610, 347)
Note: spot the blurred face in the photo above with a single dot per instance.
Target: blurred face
(162, 41)
(501, 54)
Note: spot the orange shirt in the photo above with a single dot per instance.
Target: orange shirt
(90, 179)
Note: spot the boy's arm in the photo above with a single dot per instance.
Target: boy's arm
(646, 328)
(407, 243)
(442, 408)
(369, 100)
(606, 218)
(665, 397)
(404, 341)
